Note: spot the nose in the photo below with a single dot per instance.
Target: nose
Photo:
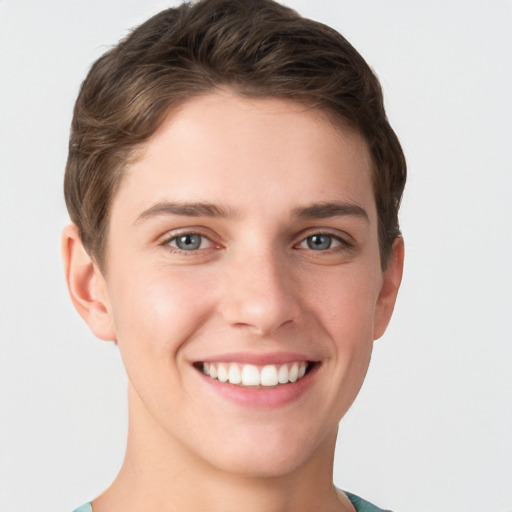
(260, 293)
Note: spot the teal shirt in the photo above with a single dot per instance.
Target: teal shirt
(359, 504)
(85, 508)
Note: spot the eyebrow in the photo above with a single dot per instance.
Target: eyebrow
(325, 210)
(321, 210)
(198, 209)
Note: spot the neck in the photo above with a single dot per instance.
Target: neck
(160, 474)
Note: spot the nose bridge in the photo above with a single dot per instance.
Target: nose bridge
(260, 292)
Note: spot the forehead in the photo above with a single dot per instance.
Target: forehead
(248, 153)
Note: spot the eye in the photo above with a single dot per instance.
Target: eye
(321, 242)
(189, 242)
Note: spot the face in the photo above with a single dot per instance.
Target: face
(243, 282)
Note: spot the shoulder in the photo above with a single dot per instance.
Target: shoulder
(359, 504)
(362, 505)
(84, 508)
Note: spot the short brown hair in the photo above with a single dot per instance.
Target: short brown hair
(256, 48)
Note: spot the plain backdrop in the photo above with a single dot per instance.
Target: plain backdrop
(432, 427)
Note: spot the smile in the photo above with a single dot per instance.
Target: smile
(251, 375)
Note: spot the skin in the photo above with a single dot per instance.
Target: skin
(255, 288)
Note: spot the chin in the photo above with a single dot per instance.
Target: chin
(271, 456)
(264, 465)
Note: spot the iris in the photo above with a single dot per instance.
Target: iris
(319, 242)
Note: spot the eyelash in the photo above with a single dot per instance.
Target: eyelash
(168, 241)
(340, 243)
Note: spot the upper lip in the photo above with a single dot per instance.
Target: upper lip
(259, 359)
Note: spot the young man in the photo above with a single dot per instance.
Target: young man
(234, 186)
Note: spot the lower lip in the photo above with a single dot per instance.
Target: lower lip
(261, 397)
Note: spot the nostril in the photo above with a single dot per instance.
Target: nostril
(261, 297)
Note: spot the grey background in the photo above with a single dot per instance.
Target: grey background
(432, 428)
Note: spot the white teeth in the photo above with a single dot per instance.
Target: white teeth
(234, 374)
(294, 372)
(269, 375)
(282, 376)
(251, 375)
(222, 373)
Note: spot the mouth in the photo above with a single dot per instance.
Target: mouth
(254, 376)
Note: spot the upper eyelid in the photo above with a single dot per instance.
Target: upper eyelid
(344, 237)
(175, 237)
(176, 233)
(167, 243)
(340, 241)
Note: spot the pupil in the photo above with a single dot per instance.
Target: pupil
(319, 242)
(188, 242)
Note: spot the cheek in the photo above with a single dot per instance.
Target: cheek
(345, 303)
(155, 311)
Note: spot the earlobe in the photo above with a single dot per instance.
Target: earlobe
(86, 285)
(391, 279)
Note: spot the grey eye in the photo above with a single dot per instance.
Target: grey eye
(319, 242)
(189, 242)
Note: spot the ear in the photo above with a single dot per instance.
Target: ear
(86, 285)
(391, 279)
